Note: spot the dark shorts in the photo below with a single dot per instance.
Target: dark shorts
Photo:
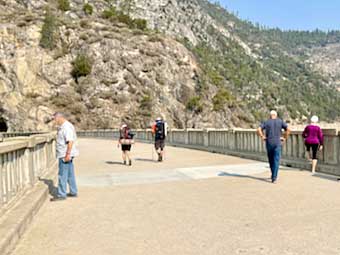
(126, 147)
(160, 144)
(314, 148)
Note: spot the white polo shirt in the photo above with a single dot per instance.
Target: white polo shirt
(66, 133)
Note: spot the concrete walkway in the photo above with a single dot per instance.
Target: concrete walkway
(193, 203)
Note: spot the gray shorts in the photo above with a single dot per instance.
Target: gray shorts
(160, 144)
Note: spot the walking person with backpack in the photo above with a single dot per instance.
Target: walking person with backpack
(159, 130)
(271, 132)
(314, 141)
(126, 141)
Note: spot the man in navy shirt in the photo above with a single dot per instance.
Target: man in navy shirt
(274, 141)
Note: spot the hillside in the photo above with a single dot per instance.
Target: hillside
(326, 59)
(107, 62)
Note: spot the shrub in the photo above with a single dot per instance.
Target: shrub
(109, 13)
(140, 24)
(146, 102)
(221, 99)
(49, 31)
(88, 9)
(64, 5)
(194, 104)
(146, 105)
(119, 16)
(215, 78)
(82, 66)
(60, 101)
(126, 19)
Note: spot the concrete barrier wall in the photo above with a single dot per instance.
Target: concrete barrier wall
(22, 161)
(242, 143)
(4, 135)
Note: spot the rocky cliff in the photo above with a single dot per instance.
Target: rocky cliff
(135, 75)
(177, 67)
(326, 60)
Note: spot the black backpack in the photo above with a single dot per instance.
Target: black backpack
(126, 134)
(160, 130)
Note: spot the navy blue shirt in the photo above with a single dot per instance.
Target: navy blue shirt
(273, 129)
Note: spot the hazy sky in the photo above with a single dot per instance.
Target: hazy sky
(289, 14)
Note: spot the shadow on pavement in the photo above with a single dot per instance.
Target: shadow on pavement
(327, 177)
(114, 163)
(50, 184)
(146, 160)
(224, 174)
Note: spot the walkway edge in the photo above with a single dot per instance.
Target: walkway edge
(16, 221)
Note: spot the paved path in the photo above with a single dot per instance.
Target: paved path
(195, 203)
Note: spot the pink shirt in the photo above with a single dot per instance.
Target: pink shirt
(313, 135)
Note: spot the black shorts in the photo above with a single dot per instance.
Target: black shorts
(315, 149)
(126, 147)
(160, 144)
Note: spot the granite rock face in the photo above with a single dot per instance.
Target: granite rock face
(136, 76)
(327, 61)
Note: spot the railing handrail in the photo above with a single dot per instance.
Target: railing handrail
(22, 160)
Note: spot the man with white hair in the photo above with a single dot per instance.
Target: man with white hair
(271, 132)
(66, 152)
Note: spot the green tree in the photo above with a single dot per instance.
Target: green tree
(82, 66)
(194, 104)
(49, 31)
(222, 99)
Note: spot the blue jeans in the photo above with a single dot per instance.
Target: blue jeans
(66, 175)
(274, 156)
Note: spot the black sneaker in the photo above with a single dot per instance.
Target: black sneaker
(124, 163)
(72, 195)
(130, 163)
(57, 199)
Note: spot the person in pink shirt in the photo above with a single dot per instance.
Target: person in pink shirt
(313, 140)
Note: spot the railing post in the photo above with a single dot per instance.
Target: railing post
(206, 138)
(186, 136)
(31, 166)
(170, 136)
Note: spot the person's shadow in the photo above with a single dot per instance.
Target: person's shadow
(114, 163)
(224, 174)
(51, 188)
(146, 160)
